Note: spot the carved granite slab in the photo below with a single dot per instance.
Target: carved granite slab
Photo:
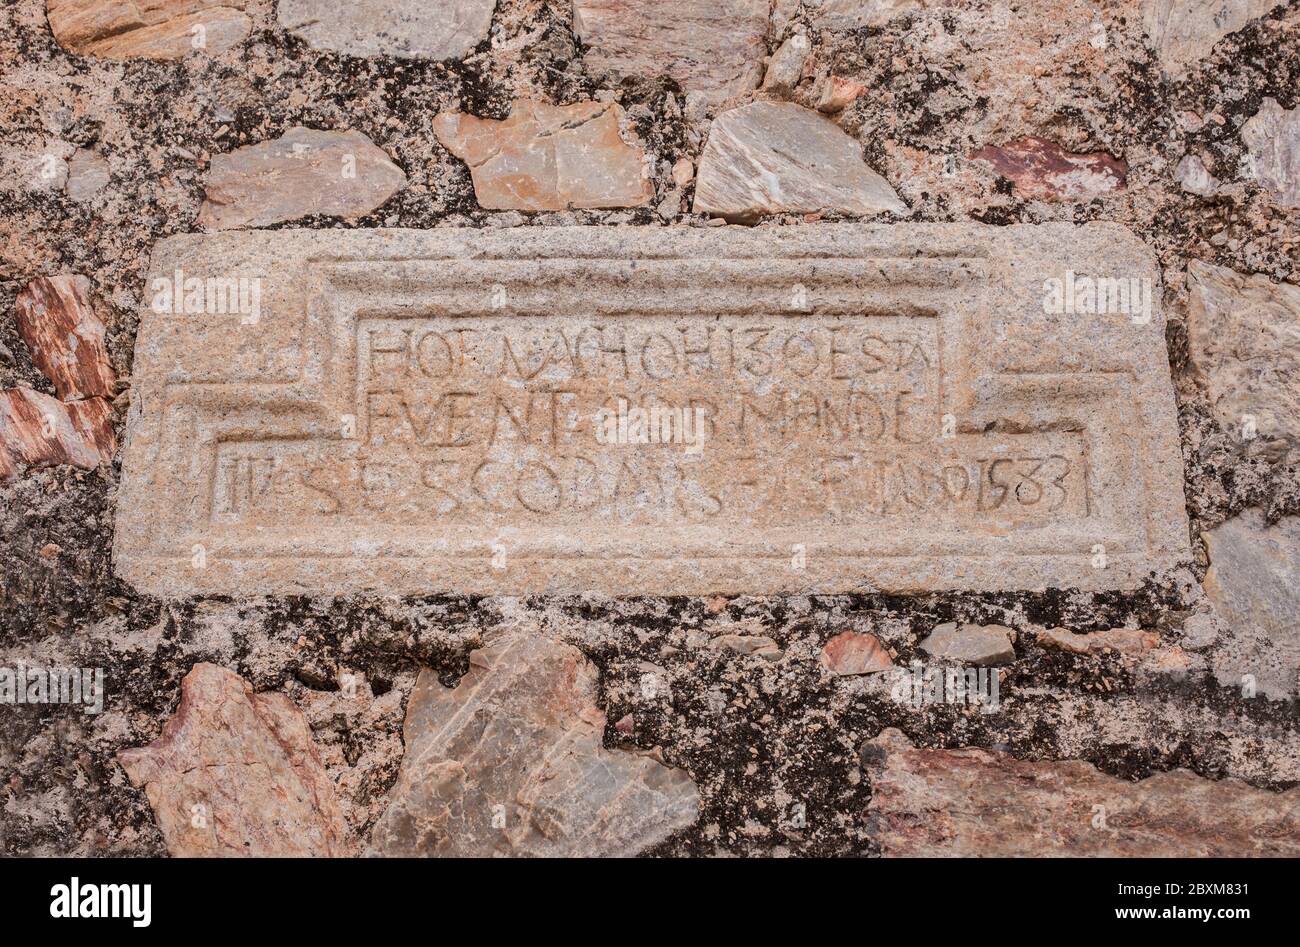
(831, 408)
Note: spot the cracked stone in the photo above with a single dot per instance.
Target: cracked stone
(970, 644)
(715, 49)
(510, 762)
(39, 431)
(158, 29)
(547, 157)
(778, 157)
(406, 28)
(57, 321)
(301, 173)
(237, 773)
(1244, 342)
(1044, 170)
(985, 803)
(1272, 140)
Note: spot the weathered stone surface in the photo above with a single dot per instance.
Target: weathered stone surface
(87, 176)
(303, 172)
(510, 762)
(58, 323)
(1043, 169)
(785, 67)
(1254, 583)
(236, 774)
(1123, 640)
(850, 653)
(982, 803)
(1244, 341)
(778, 157)
(156, 29)
(1272, 140)
(970, 644)
(39, 431)
(855, 14)
(549, 157)
(408, 28)
(1195, 177)
(1184, 32)
(758, 646)
(416, 412)
(713, 48)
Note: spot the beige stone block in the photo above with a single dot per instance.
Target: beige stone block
(413, 412)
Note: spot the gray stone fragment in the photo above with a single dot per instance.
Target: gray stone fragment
(406, 28)
(87, 176)
(970, 644)
(778, 157)
(1254, 584)
(1272, 139)
(510, 762)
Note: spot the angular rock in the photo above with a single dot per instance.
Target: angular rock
(712, 48)
(1195, 178)
(236, 773)
(1184, 32)
(447, 29)
(778, 157)
(66, 338)
(549, 157)
(1044, 170)
(1123, 640)
(978, 645)
(39, 431)
(1244, 342)
(87, 176)
(850, 653)
(758, 646)
(983, 803)
(1254, 584)
(835, 94)
(303, 172)
(1272, 140)
(785, 67)
(855, 14)
(510, 762)
(157, 29)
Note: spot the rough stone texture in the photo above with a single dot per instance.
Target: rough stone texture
(1043, 169)
(778, 157)
(712, 48)
(153, 29)
(1254, 583)
(1272, 139)
(66, 338)
(785, 68)
(236, 773)
(509, 762)
(750, 645)
(1195, 177)
(943, 81)
(850, 653)
(855, 14)
(979, 645)
(39, 431)
(987, 804)
(410, 28)
(88, 175)
(1184, 31)
(1244, 342)
(402, 456)
(303, 172)
(1123, 640)
(546, 157)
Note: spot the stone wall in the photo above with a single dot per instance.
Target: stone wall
(1089, 715)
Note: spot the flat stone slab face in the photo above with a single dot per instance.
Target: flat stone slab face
(415, 412)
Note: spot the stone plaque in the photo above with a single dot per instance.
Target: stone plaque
(820, 408)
